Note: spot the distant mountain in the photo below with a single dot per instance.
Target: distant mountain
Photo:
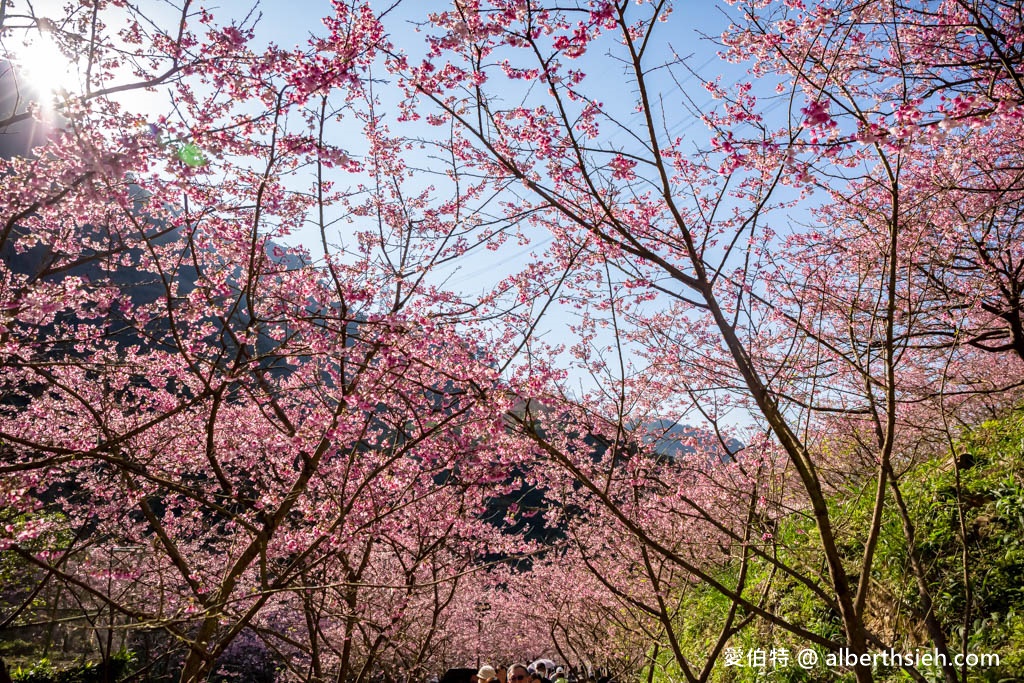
(675, 440)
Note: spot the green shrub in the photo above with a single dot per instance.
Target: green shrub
(989, 496)
(89, 672)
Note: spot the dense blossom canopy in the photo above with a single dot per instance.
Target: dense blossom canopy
(252, 409)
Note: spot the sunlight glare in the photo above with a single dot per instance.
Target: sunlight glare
(46, 70)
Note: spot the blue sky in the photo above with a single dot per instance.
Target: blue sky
(291, 23)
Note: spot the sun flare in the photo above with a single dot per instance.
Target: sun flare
(44, 68)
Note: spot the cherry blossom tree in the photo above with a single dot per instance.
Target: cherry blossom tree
(258, 425)
(215, 434)
(679, 246)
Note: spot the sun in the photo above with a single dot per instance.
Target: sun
(44, 68)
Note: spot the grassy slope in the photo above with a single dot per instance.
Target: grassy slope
(991, 495)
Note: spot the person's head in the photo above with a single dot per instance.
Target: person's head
(517, 673)
(487, 674)
(542, 669)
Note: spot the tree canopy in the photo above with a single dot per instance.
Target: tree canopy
(499, 329)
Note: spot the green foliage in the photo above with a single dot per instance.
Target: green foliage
(18, 577)
(975, 505)
(89, 672)
(11, 566)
